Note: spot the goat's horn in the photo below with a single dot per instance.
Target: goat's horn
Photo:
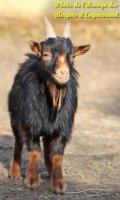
(66, 33)
(49, 29)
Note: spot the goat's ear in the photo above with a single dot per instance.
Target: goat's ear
(35, 47)
(80, 50)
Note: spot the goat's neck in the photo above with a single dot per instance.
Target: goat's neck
(57, 94)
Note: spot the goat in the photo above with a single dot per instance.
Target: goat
(42, 103)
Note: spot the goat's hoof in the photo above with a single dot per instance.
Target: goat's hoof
(58, 187)
(14, 177)
(14, 171)
(32, 182)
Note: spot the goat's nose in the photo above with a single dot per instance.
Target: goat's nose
(64, 72)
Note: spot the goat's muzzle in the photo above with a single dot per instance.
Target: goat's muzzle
(62, 75)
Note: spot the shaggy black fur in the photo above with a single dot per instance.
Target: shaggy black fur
(30, 104)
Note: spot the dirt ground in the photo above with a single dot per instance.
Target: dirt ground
(92, 158)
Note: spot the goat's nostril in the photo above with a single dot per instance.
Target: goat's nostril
(64, 72)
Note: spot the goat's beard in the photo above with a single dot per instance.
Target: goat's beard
(57, 94)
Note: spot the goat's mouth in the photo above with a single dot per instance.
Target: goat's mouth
(61, 79)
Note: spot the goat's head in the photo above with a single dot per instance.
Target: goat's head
(56, 54)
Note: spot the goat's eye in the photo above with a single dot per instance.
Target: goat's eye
(47, 56)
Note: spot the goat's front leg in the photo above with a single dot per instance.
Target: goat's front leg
(32, 179)
(56, 156)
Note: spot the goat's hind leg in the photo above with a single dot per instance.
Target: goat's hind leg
(47, 151)
(15, 166)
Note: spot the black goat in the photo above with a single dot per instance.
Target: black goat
(42, 103)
